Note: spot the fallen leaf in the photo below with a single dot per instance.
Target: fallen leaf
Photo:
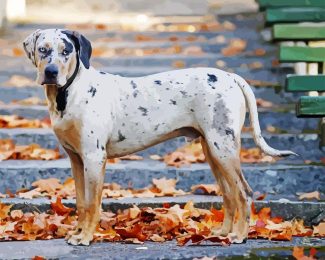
(8, 150)
(30, 194)
(319, 230)
(211, 189)
(263, 103)
(19, 81)
(14, 121)
(235, 47)
(59, 208)
(49, 185)
(29, 101)
(179, 64)
(310, 196)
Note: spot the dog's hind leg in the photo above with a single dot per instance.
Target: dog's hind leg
(77, 168)
(228, 203)
(223, 154)
(94, 172)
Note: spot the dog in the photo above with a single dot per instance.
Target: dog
(97, 115)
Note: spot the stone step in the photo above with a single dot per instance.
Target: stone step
(252, 249)
(249, 34)
(190, 60)
(310, 212)
(282, 118)
(273, 179)
(306, 145)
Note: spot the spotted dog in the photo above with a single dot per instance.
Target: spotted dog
(97, 115)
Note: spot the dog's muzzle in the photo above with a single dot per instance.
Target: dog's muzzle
(51, 74)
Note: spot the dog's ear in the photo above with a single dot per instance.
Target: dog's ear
(82, 45)
(30, 45)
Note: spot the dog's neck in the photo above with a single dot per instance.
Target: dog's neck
(57, 97)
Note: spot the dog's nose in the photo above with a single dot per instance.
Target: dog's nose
(51, 71)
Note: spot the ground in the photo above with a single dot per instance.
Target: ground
(253, 249)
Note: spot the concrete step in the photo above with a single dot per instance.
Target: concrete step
(92, 34)
(282, 117)
(310, 212)
(306, 145)
(252, 249)
(278, 178)
(190, 60)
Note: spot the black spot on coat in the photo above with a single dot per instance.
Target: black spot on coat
(120, 136)
(158, 82)
(173, 102)
(134, 86)
(230, 132)
(144, 110)
(92, 90)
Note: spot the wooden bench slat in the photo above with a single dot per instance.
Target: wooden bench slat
(311, 106)
(302, 31)
(285, 3)
(295, 14)
(304, 54)
(295, 83)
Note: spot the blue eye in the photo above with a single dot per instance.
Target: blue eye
(42, 49)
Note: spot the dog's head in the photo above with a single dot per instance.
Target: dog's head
(55, 54)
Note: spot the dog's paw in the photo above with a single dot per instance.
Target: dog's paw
(75, 231)
(236, 239)
(81, 239)
(220, 232)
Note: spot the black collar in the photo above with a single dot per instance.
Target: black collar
(61, 97)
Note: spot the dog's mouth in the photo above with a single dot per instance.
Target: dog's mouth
(52, 82)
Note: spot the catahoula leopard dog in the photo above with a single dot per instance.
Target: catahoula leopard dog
(97, 115)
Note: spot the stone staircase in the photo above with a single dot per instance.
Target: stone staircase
(281, 181)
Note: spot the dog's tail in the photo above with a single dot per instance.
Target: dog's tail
(252, 107)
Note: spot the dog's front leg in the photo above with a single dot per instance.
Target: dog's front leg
(94, 172)
(77, 168)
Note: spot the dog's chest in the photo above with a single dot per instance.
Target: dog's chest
(67, 129)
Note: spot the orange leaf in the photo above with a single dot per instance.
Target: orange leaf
(310, 195)
(298, 252)
(59, 208)
(134, 231)
(211, 189)
(4, 211)
(49, 185)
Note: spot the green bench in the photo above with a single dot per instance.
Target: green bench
(294, 14)
(307, 106)
(300, 31)
(289, 11)
(263, 4)
(301, 21)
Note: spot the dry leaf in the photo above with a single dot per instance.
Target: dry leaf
(319, 230)
(30, 101)
(179, 64)
(19, 81)
(310, 195)
(8, 150)
(263, 103)
(59, 208)
(235, 47)
(14, 121)
(211, 189)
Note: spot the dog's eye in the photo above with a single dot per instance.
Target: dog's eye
(42, 49)
(65, 52)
